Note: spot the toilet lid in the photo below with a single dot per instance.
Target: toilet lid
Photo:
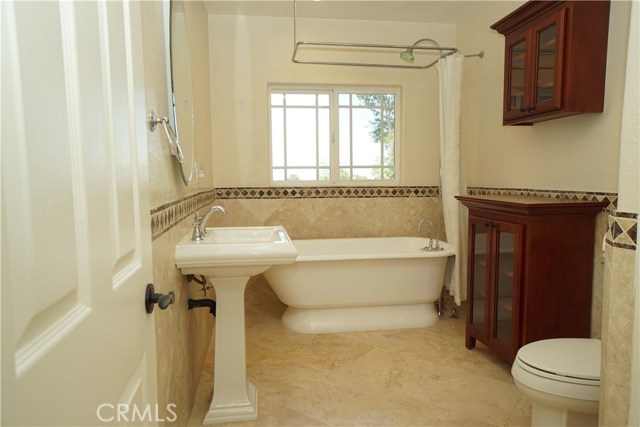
(566, 357)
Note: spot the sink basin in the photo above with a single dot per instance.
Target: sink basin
(228, 256)
(235, 251)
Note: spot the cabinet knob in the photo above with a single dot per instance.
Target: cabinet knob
(526, 109)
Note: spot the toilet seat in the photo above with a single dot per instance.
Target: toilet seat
(569, 360)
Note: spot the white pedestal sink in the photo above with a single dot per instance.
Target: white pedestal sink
(228, 256)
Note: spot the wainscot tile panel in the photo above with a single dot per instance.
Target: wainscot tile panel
(167, 216)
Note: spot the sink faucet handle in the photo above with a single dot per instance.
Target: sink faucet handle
(197, 232)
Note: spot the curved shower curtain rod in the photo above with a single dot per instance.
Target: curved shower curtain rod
(405, 54)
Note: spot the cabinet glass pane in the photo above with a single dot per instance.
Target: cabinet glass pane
(546, 64)
(504, 301)
(516, 90)
(479, 276)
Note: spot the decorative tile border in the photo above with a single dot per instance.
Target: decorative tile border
(167, 216)
(323, 192)
(623, 230)
(610, 198)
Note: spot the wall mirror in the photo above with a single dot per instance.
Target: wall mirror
(182, 140)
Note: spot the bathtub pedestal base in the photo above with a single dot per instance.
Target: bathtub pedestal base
(352, 319)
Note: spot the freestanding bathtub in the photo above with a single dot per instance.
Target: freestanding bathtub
(341, 285)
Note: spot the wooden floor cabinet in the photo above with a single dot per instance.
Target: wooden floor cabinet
(530, 270)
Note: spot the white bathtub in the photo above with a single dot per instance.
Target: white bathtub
(340, 285)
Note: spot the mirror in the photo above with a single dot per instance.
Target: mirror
(182, 141)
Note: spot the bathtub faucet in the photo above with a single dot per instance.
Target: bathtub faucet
(430, 247)
(200, 222)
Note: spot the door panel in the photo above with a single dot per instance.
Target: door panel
(75, 213)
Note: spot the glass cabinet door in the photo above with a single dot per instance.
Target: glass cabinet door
(505, 286)
(504, 291)
(479, 276)
(516, 100)
(546, 64)
(549, 42)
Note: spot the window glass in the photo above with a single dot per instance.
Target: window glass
(304, 138)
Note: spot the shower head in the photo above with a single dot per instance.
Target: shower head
(407, 56)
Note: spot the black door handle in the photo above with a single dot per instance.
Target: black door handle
(151, 298)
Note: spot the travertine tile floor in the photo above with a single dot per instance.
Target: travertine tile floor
(411, 377)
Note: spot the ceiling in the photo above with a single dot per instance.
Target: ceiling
(444, 12)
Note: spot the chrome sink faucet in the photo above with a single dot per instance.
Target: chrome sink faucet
(200, 222)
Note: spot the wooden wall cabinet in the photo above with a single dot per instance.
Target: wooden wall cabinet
(555, 59)
(530, 270)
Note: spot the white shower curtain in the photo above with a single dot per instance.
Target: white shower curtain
(452, 182)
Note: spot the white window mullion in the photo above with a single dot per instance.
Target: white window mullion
(285, 138)
(381, 141)
(335, 140)
(317, 139)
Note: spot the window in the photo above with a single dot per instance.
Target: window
(333, 136)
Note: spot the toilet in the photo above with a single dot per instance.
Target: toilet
(561, 377)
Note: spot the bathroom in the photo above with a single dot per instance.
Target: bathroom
(238, 49)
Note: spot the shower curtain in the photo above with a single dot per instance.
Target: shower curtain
(452, 182)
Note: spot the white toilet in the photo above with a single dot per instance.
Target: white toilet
(562, 379)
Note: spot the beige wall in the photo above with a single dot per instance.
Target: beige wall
(249, 52)
(578, 153)
(182, 336)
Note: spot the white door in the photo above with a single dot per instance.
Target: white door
(78, 347)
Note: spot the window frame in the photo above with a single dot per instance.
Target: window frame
(334, 132)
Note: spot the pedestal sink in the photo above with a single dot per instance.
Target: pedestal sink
(228, 256)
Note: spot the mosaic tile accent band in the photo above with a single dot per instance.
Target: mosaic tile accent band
(324, 192)
(623, 230)
(167, 216)
(610, 198)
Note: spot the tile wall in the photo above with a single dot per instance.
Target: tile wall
(617, 318)
(312, 212)
(182, 335)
